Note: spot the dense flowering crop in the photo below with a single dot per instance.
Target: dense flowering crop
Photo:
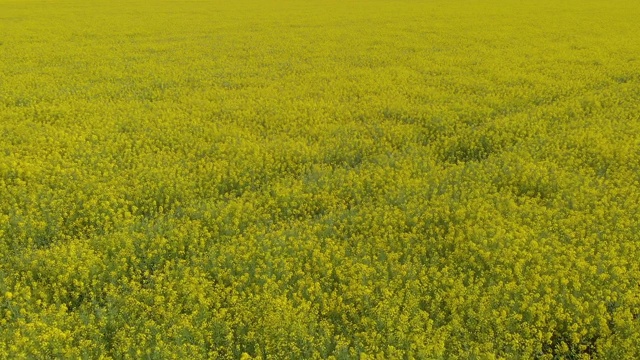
(371, 179)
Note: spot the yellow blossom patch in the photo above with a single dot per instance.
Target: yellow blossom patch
(367, 179)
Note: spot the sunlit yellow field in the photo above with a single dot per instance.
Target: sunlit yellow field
(371, 179)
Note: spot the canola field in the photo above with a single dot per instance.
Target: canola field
(320, 179)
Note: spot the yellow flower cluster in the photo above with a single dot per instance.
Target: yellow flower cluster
(320, 179)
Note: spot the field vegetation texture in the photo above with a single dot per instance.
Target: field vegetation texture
(318, 179)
